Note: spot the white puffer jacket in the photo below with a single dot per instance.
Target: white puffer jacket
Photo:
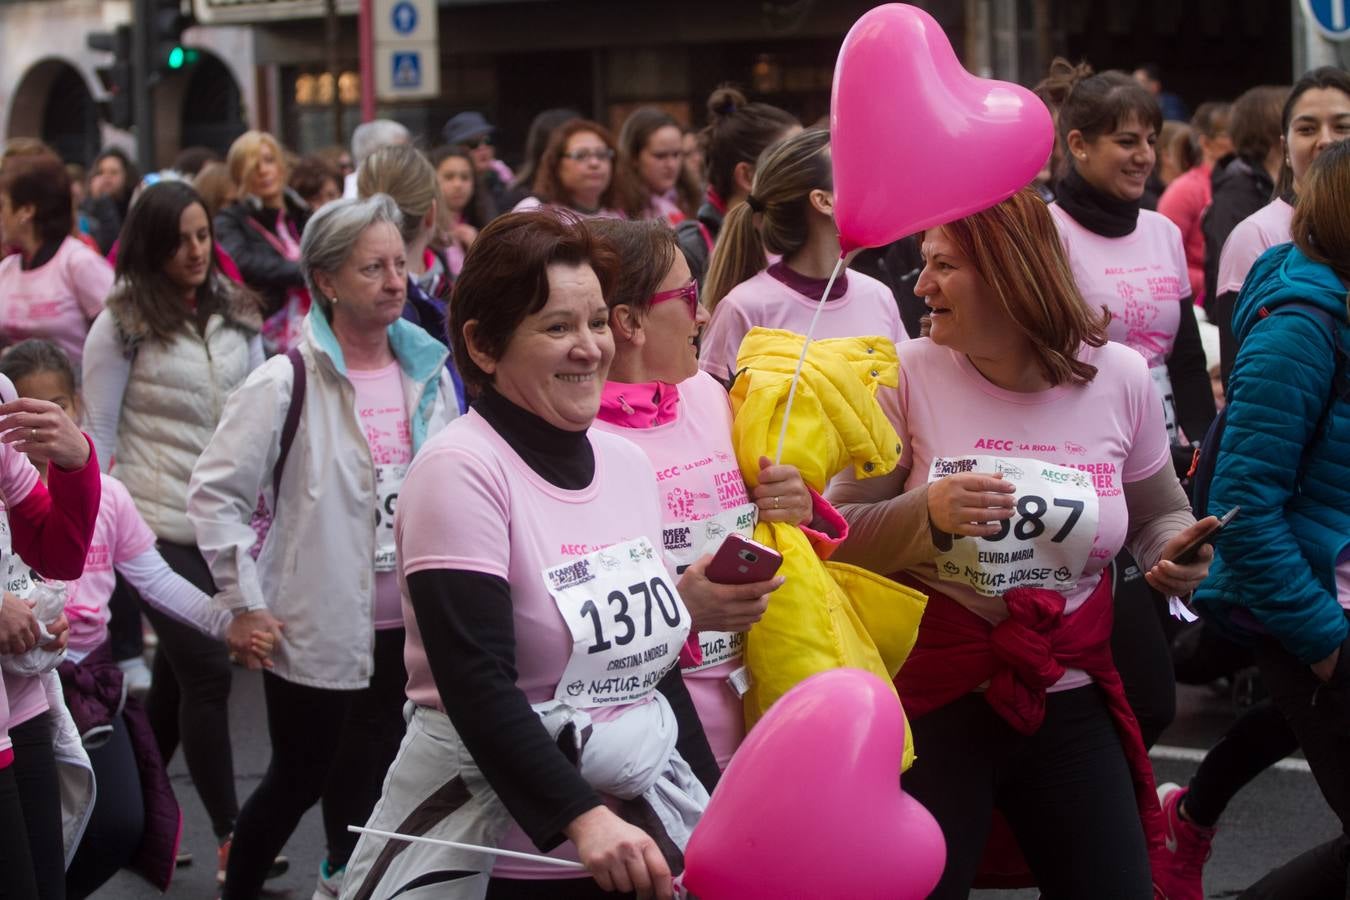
(171, 398)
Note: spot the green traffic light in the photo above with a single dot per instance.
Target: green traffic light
(177, 57)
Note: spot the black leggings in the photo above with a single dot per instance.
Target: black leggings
(1254, 743)
(190, 697)
(40, 793)
(117, 824)
(334, 746)
(17, 881)
(1065, 790)
(1319, 715)
(1141, 650)
(124, 622)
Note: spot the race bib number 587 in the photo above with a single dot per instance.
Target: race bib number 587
(627, 623)
(1047, 541)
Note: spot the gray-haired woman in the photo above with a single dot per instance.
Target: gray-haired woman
(372, 389)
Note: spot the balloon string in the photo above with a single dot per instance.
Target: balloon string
(801, 360)
(456, 845)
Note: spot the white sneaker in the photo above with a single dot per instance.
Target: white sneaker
(330, 882)
(136, 676)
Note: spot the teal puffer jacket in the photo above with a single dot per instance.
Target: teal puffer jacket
(1277, 560)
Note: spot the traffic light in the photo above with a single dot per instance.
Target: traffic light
(118, 76)
(167, 53)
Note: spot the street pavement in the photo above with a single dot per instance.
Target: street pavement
(1280, 814)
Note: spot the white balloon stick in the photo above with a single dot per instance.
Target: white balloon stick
(456, 845)
(801, 360)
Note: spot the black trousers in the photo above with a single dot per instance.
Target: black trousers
(17, 881)
(189, 700)
(40, 794)
(117, 823)
(1319, 714)
(1065, 790)
(553, 889)
(334, 746)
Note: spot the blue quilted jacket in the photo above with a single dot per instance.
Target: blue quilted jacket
(1275, 564)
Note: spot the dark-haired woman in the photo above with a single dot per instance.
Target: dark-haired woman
(511, 520)
(1009, 514)
(576, 173)
(738, 132)
(1315, 115)
(176, 340)
(789, 212)
(537, 137)
(53, 286)
(468, 204)
(112, 178)
(651, 154)
(1132, 262)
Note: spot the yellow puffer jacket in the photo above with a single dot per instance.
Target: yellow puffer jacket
(827, 615)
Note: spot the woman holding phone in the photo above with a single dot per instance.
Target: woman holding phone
(657, 397)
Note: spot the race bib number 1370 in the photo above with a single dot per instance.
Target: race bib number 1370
(627, 623)
(1046, 543)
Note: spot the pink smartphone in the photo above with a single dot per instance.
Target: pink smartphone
(742, 561)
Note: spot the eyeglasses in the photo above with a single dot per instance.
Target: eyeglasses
(688, 293)
(475, 143)
(604, 154)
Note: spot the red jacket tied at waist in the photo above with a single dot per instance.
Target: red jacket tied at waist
(1019, 658)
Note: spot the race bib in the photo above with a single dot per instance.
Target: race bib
(388, 482)
(1047, 542)
(18, 577)
(627, 622)
(686, 542)
(1162, 386)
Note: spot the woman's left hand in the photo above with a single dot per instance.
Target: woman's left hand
(782, 495)
(43, 431)
(1174, 579)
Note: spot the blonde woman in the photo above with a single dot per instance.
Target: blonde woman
(261, 232)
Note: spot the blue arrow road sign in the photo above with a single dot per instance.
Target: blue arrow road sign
(404, 17)
(1332, 17)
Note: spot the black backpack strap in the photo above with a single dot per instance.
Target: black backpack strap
(292, 422)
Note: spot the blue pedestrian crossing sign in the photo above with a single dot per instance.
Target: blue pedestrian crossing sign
(1330, 17)
(403, 17)
(407, 70)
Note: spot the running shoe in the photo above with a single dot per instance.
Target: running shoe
(330, 882)
(1179, 865)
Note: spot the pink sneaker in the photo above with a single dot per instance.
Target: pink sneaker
(1178, 868)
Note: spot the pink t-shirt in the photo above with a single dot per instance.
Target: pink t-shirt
(703, 499)
(1138, 277)
(382, 411)
(120, 534)
(1184, 202)
(56, 301)
(473, 504)
(1110, 429)
(1343, 579)
(24, 697)
(775, 298)
(1253, 236)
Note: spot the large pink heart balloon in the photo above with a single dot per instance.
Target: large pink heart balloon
(917, 140)
(811, 806)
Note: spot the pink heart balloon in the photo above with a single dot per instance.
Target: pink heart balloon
(811, 805)
(917, 140)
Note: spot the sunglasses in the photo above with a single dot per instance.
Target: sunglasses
(475, 143)
(688, 293)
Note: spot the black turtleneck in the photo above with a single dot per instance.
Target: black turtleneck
(1094, 210)
(43, 255)
(465, 619)
(562, 458)
(1191, 392)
